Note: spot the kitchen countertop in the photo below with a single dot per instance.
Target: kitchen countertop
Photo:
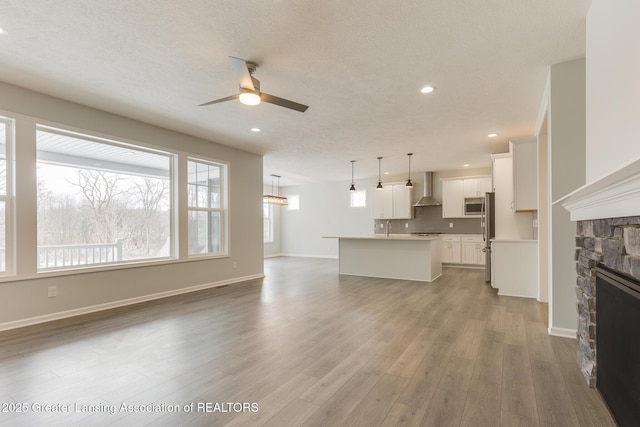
(513, 240)
(384, 237)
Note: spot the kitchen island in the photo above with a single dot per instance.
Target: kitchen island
(397, 256)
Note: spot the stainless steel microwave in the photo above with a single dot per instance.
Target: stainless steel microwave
(473, 206)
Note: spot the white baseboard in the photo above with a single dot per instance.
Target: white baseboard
(114, 304)
(516, 295)
(562, 332)
(273, 256)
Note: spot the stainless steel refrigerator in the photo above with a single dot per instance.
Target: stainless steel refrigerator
(488, 224)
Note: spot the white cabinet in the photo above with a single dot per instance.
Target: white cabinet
(472, 250)
(392, 202)
(462, 249)
(382, 202)
(525, 173)
(402, 207)
(451, 249)
(515, 267)
(509, 224)
(452, 198)
(455, 190)
(476, 187)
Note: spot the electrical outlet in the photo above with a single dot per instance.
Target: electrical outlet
(406, 225)
(450, 225)
(52, 291)
(381, 225)
(235, 264)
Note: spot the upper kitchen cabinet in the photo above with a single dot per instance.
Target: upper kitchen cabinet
(476, 187)
(510, 225)
(452, 198)
(382, 202)
(392, 202)
(402, 207)
(461, 195)
(525, 174)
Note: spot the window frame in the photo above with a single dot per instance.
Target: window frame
(111, 141)
(291, 205)
(267, 222)
(223, 210)
(352, 196)
(23, 154)
(8, 197)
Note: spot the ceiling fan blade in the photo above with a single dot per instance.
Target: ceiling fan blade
(283, 102)
(228, 98)
(242, 70)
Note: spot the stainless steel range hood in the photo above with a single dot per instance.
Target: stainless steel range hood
(427, 198)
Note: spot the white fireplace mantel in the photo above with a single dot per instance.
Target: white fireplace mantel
(615, 195)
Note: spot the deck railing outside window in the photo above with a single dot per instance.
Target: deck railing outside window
(50, 257)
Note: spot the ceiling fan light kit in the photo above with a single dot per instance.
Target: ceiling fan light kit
(248, 97)
(250, 89)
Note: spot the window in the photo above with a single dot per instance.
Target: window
(293, 202)
(6, 140)
(100, 201)
(359, 199)
(206, 207)
(267, 216)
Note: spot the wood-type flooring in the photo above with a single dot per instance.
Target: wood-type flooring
(302, 347)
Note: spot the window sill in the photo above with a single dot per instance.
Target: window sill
(110, 267)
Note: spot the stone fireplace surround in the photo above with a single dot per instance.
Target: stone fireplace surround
(607, 212)
(614, 243)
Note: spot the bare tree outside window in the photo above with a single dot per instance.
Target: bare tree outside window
(101, 192)
(119, 210)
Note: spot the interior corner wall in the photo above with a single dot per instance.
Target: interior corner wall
(25, 301)
(566, 169)
(613, 92)
(325, 210)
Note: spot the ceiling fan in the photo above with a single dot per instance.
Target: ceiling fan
(250, 89)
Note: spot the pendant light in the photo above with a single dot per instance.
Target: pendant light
(409, 184)
(353, 187)
(379, 186)
(275, 199)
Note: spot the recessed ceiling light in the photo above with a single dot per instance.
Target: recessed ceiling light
(466, 165)
(3, 31)
(255, 130)
(427, 89)
(386, 173)
(492, 135)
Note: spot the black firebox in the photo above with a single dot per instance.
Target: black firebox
(618, 344)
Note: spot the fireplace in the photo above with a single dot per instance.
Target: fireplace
(614, 244)
(618, 344)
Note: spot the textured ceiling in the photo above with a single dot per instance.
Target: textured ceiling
(358, 64)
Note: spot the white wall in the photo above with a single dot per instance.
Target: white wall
(565, 172)
(544, 201)
(324, 211)
(613, 88)
(25, 301)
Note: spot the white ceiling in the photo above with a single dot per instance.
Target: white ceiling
(358, 64)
